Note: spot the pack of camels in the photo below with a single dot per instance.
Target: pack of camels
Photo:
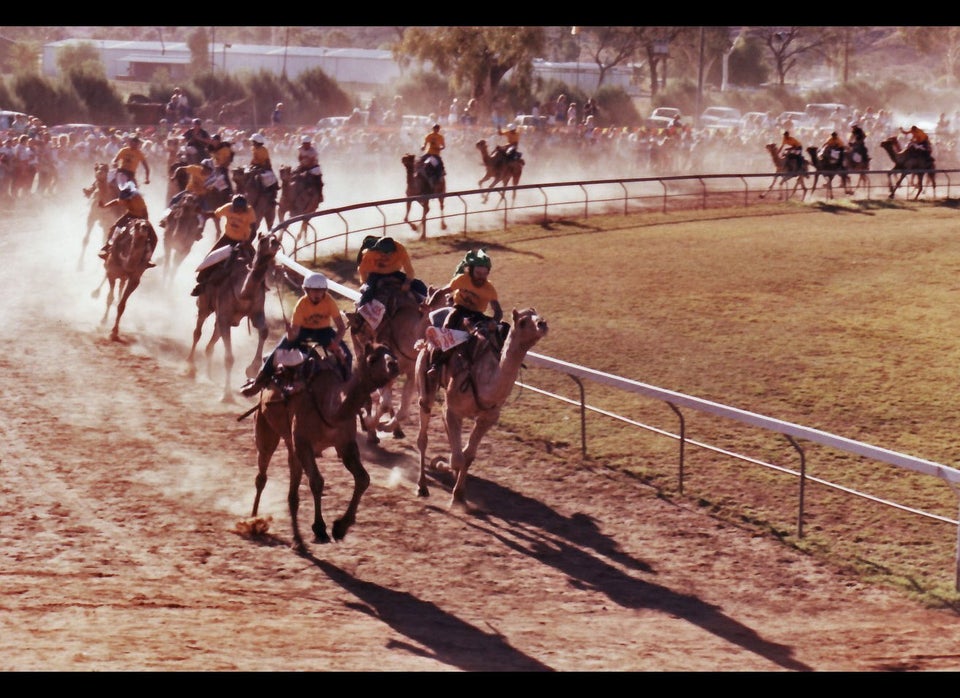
(907, 162)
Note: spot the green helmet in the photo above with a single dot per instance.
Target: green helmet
(478, 258)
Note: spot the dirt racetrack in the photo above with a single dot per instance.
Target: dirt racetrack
(123, 481)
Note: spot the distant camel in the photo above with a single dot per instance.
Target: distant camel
(857, 160)
(102, 190)
(239, 293)
(500, 168)
(786, 170)
(129, 257)
(262, 201)
(297, 197)
(909, 161)
(828, 168)
(420, 185)
(184, 228)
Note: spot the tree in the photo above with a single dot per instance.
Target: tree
(611, 46)
(83, 56)
(789, 44)
(656, 43)
(22, 57)
(199, 47)
(943, 41)
(473, 59)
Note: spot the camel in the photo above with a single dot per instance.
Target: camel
(296, 197)
(129, 257)
(212, 199)
(322, 414)
(828, 169)
(239, 293)
(403, 324)
(500, 169)
(102, 190)
(858, 161)
(786, 170)
(184, 228)
(909, 161)
(475, 388)
(421, 186)
(263, 202)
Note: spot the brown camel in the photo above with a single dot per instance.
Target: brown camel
(184, 228)
(129, 257)
(909, 161)
(476, 383)
(322, 414)
(424, 188)
(786, 170)
(403, 324)
(297, 197)
(500, 169)
(102, 190)
(262, 201)
(857, 161)
(826, 167)
(238, 292)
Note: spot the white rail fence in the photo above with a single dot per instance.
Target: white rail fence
(792, 432)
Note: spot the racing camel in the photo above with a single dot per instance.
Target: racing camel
(129, 257)
(424, 188)
(323, 413)
(500, 169)
(239, 292)
(262, 201)
(184, 227)
(477, 380)
(828, 169)
(909, 161)
(786, 170)
(101, 191)
(297, 197)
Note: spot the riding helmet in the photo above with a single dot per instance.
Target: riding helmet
(315, 280)
(386, 245)
(240, 202)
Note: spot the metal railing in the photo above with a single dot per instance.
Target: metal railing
(672, 189)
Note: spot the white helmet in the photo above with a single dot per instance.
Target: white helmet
(315, 280)
(511, 126)
(257, 138)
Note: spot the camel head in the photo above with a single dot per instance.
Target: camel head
(528, 329)
(407, 161)
(100, 171)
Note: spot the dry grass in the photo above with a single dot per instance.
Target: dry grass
(837, 317)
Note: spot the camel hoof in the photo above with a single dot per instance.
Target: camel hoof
(320, 533)
(340, 528)
(422, 491)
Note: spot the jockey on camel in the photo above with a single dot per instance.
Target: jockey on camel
(430, 161)
(261, 168)
(511, 149)
(858, 143)
(919, 141)
(792, 151)
(309, 168)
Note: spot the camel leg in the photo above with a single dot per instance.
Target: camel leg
(301, 448)
(485, 421)
(350, 455)
(228, 360)
(443, 222)
(129, 286)
(307, 462)
(425, 401)
(425, 205)
(453, 425)
(106, 311)
(267, 440)
(406, 217)
(770, 188)
(202, 315)
(262, 331)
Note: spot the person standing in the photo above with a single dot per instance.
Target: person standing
(277, 117)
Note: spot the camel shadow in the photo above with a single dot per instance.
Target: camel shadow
(450, 640)
(575, 546)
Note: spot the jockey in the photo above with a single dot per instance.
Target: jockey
(513, 141)
(309, 167)
(472, 295)
(197, 140)
(387, 257)
(127, 159)
(858, 141)
(198, 177)
(433, 143)
(919, 140)
(240, 230)
(260, 166)
(316, 318)
(791, 149)
(221, 152)
(833, 149)
(136, 207)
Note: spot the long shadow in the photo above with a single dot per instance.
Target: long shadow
(450, 640)
(534, 529)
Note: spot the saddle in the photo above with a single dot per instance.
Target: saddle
(295, 368)
(386, 301)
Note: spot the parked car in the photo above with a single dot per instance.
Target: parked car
(529, 122)
(668, 112)
(824, 115)
(799, 119)
(720, 117)
(658, 123)
(755, 121)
